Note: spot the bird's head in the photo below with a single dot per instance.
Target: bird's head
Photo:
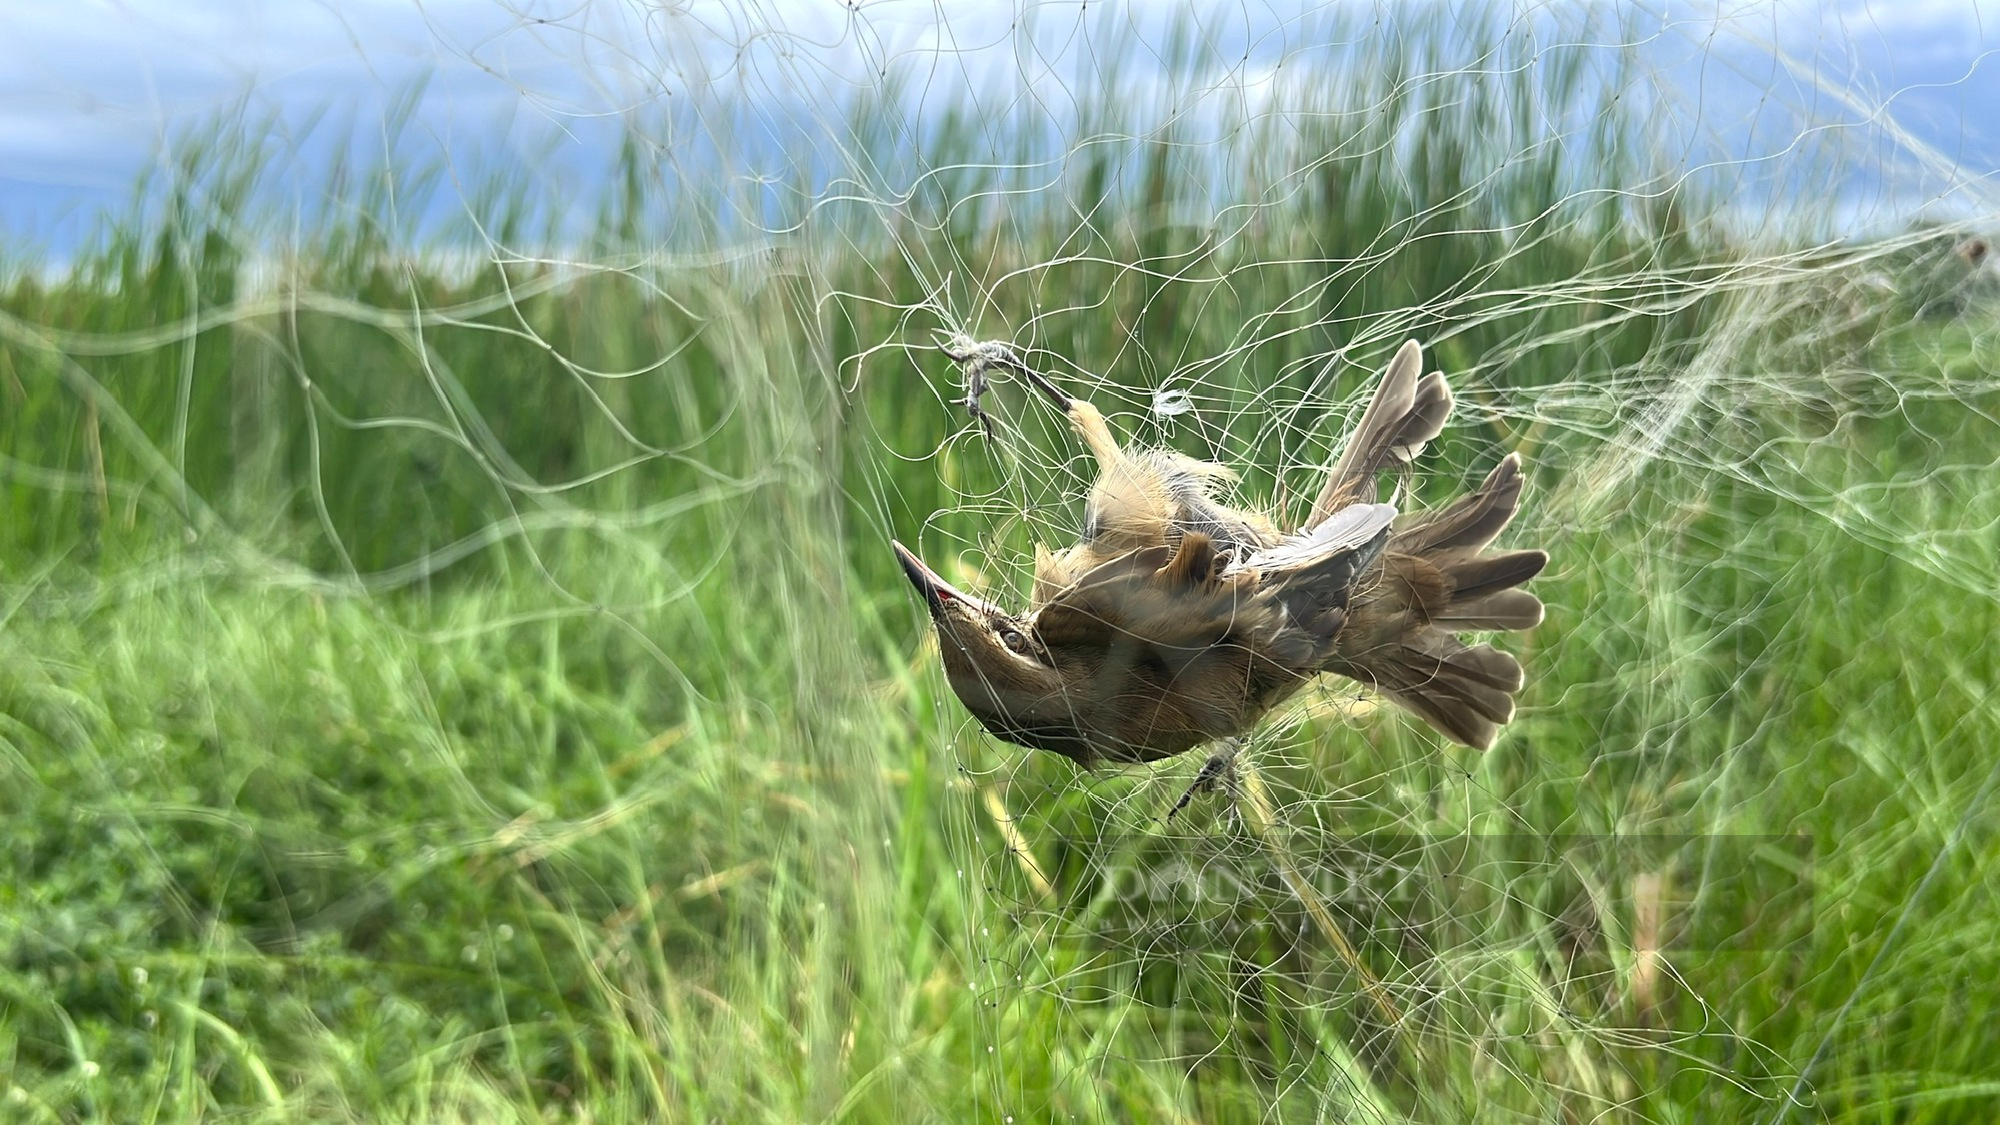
(1001, 668)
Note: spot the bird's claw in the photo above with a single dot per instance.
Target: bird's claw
(1219, 770)
(976, 358)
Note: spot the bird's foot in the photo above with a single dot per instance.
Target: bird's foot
(977, 359)
(1218, 772)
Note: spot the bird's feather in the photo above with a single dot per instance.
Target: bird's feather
(1345, 530)
(1405, 414)
(1177, 618)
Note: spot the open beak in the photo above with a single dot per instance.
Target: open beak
(934, 588)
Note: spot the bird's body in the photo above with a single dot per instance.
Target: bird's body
(1176, 620)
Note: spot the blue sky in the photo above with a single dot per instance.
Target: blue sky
(91, 91)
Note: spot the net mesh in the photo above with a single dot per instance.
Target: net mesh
(1701, 358)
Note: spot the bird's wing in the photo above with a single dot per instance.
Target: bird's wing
(1346, 530)
(1171, 597)
(1202, 591)
(1405, 413)
(1310, 577)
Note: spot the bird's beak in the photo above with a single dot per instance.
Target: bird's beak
(934, 588)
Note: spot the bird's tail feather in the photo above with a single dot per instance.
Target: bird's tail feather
(1465, 692)
(1473, 520)
(1437, 582)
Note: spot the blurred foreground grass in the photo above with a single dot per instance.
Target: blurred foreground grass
(481, 692)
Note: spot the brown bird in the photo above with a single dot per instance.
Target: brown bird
(1176, 620)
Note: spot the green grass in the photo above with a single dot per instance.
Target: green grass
(430, 693)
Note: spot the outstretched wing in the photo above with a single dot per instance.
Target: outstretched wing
(1405, 414)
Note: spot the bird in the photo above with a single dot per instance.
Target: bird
(1176, 621)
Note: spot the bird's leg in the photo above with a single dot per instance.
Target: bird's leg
(1220, 769)
(1090, 426)
(975, 389)
(974, 360)
(1089, 422)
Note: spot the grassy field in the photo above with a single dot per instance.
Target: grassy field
(482, 692)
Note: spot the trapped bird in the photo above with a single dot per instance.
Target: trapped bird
(1176, 620)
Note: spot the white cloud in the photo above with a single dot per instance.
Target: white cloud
(89, 90)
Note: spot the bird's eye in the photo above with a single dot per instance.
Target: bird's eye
(1015, 640)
